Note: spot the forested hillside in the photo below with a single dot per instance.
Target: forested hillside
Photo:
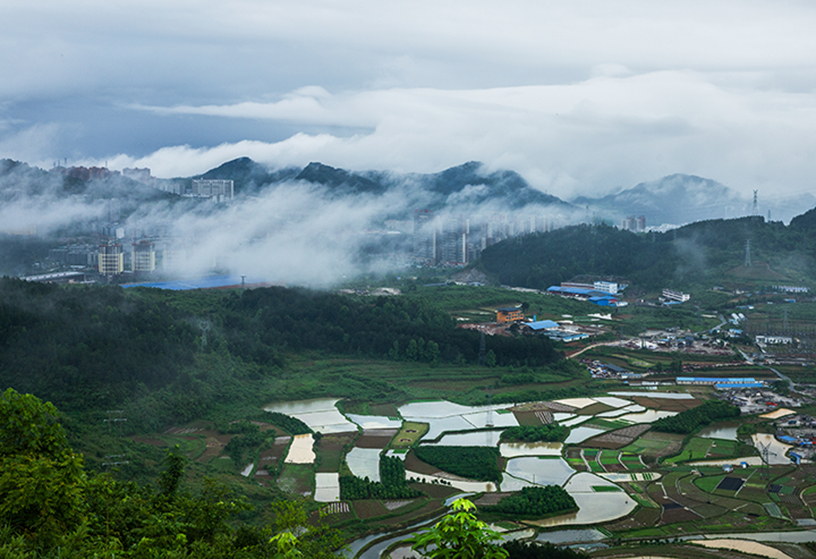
(702, 251)
(94, 347)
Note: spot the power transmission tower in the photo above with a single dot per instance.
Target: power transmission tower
(748, 253)
(482, 348)
(765, 452)
(756, 206)
(489, 421)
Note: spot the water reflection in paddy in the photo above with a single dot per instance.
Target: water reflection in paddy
(375, 421)
(580, 434)
(538, 470)
(575, 420)
(327, 487)
(594, 507)
(364, 462)
(511, 450)
(475, 438)
(649, 416)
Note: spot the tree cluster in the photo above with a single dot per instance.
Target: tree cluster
(392, 485)
(474, 462)
(50, 507)
(536, 501)
(550, 433)
(689, 421)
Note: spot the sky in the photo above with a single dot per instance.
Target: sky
(580, 98)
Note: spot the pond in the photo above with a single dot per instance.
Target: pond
(725, 430)
(558, 537)
(320, 414)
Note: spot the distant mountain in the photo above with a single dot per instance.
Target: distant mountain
(465, 185)
(675, 199)
(247, 175)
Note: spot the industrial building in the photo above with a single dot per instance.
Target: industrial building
(677, 296)
(600, 298)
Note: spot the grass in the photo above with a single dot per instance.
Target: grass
(297, 478)
(606, 488)
(708, 483)
(408, 435)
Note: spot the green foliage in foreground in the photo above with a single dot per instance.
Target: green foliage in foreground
(50, 507)
(689, 421)
(392, 486)
(474, 462)
(551, 433)
(536, 501)
(459, 535)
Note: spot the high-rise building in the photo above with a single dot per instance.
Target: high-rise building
(111, 259)
(144, 256)
(426, 237)
(219, 190)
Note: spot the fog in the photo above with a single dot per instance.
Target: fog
(293, 232)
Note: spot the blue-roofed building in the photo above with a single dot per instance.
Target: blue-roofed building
(541, 325)
(211, 282)
(732, 386)
(716, 380)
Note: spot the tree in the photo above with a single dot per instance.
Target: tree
(459, 535)
(41, 478)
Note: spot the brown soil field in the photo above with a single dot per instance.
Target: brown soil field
(530, 418)
(435, 491)
(594, 409)
(367, 508)
(616, 439)
(375, 438)
(544, 406)
(666, 404)
(416, 465)
(433, 507)
(674, 516)
(214, 446)
(490, 499)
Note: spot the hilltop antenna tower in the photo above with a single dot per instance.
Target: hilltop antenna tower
(756, 206)
(747, 253)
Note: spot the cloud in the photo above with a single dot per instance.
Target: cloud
(615, 129)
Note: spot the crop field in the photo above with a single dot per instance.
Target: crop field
(297, 479)
(654, 445)
(329, 450)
